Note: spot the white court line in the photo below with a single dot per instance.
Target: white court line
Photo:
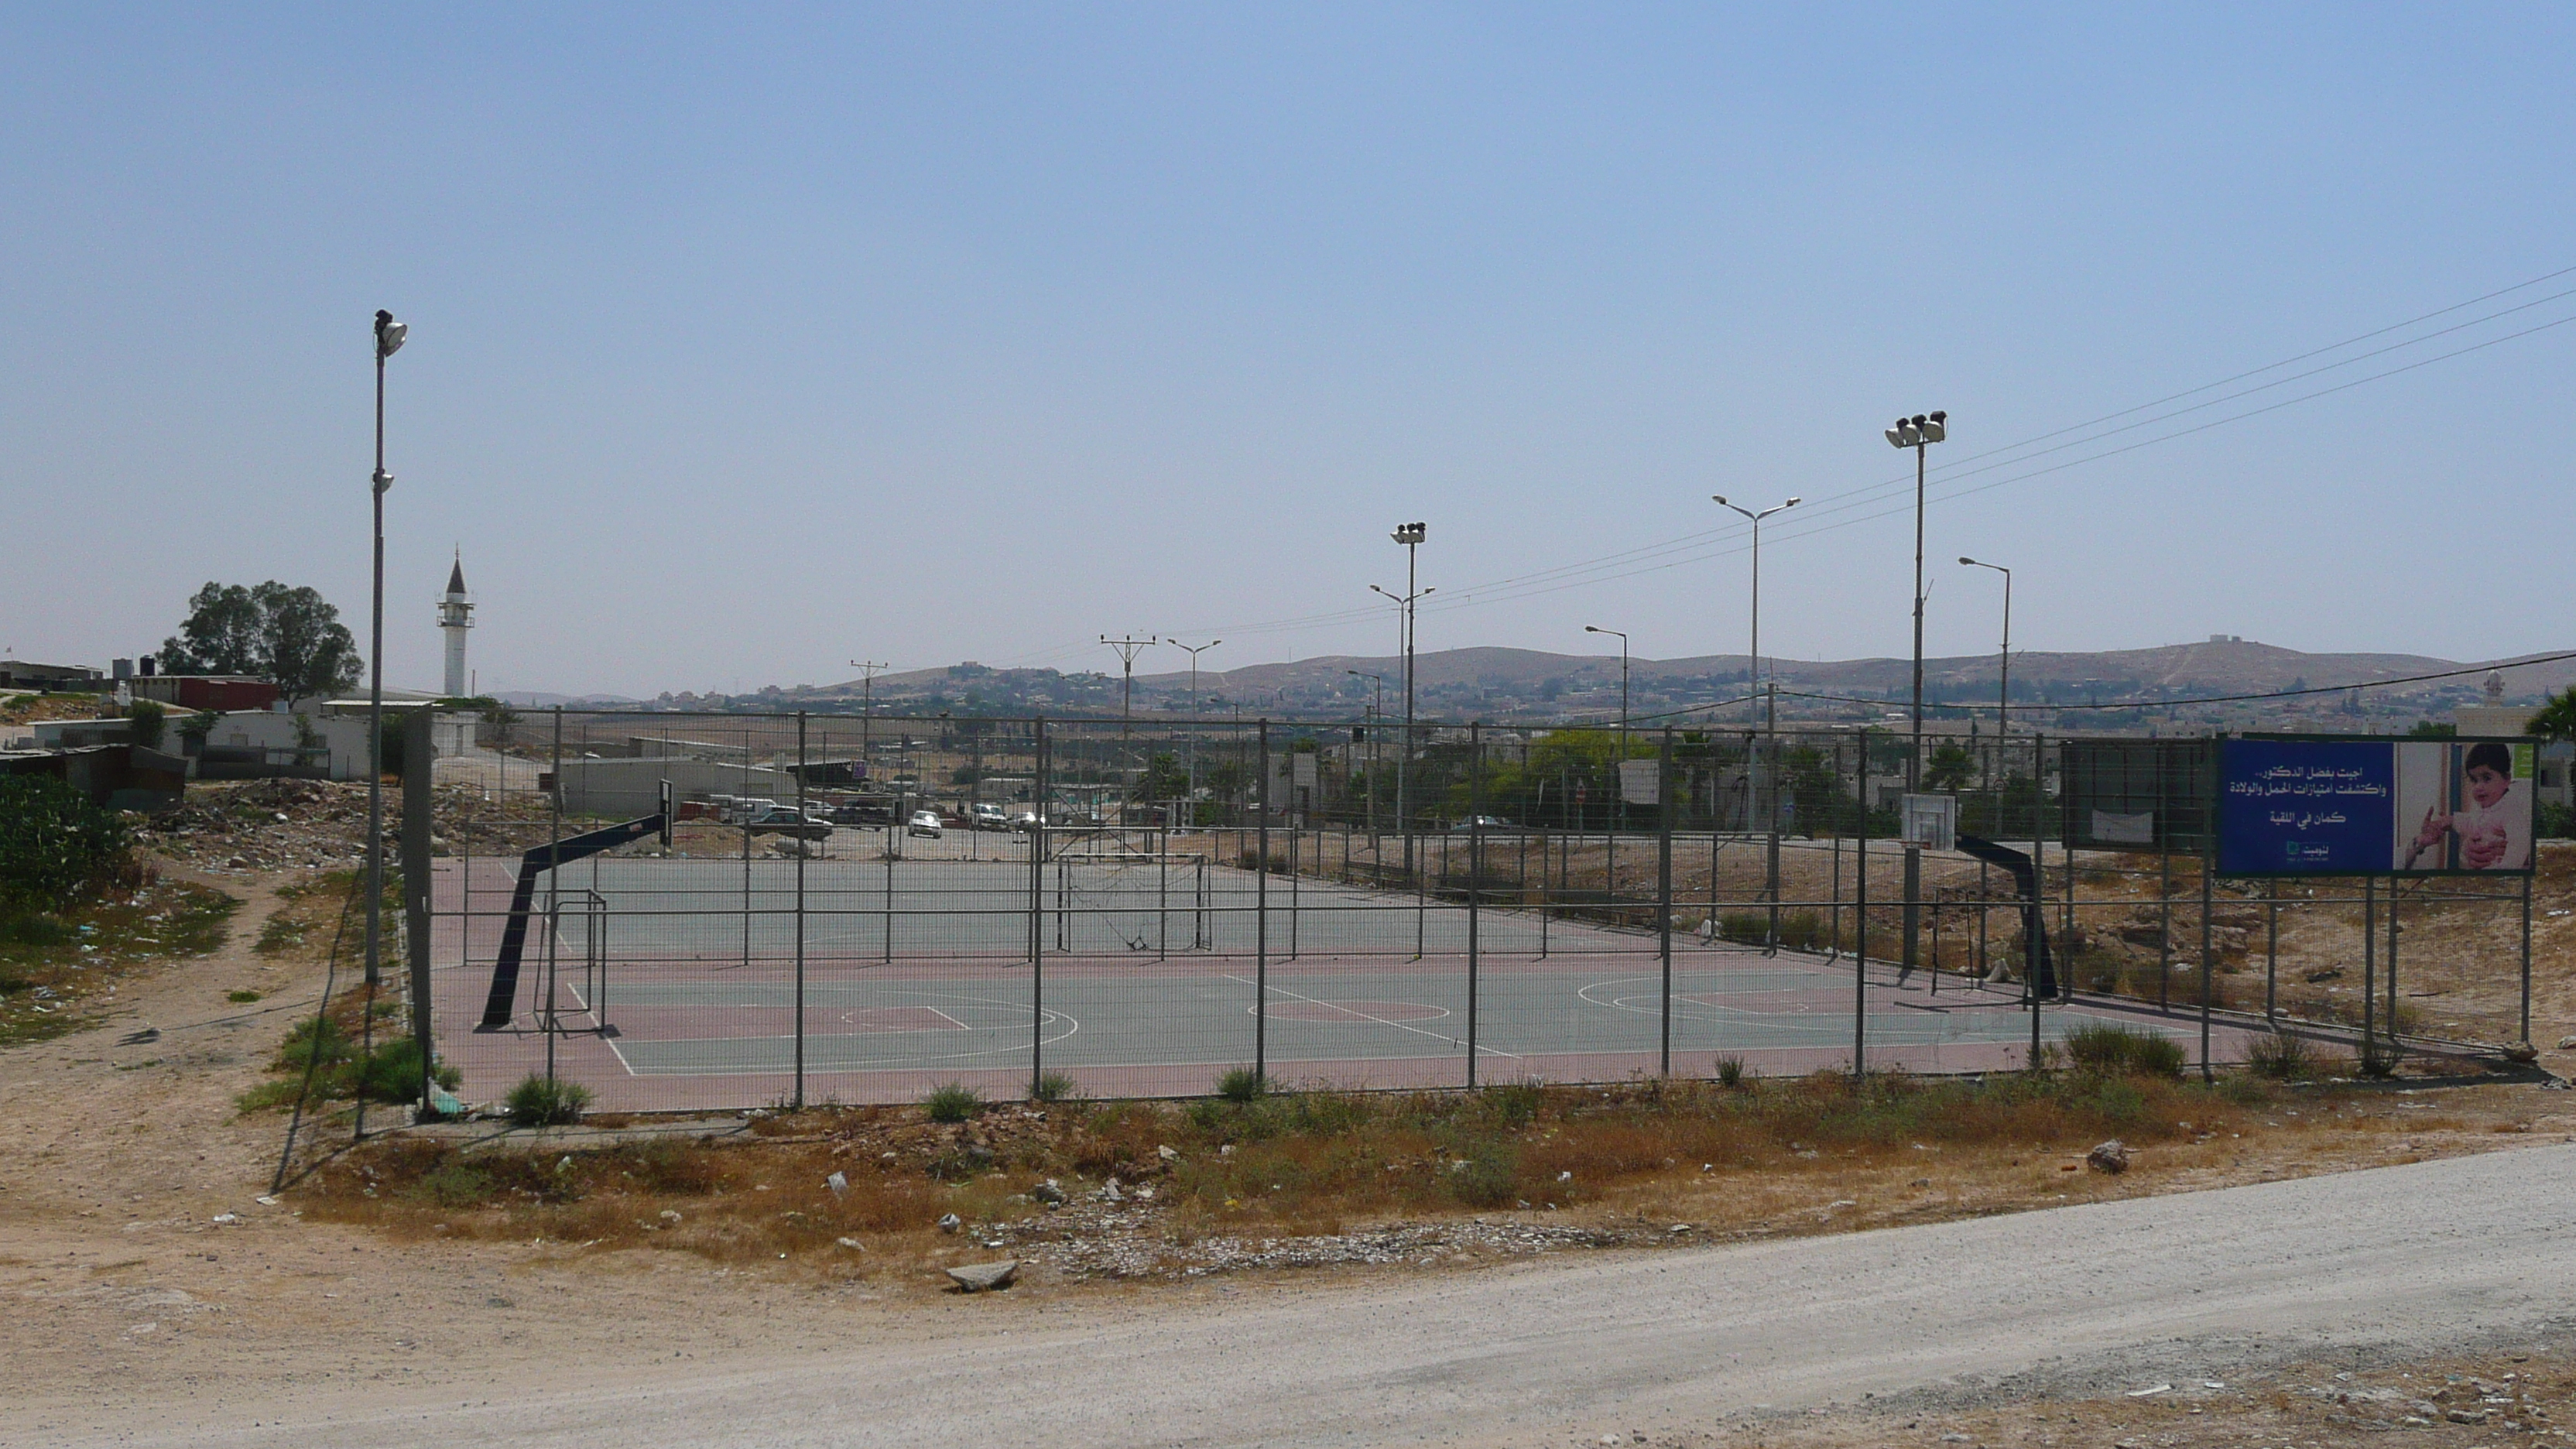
(1380, 1020)
(603, 1033)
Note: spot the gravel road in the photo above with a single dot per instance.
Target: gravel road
(2421, 1258)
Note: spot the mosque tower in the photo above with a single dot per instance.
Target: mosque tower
(455, 616)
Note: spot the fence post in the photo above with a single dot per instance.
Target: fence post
(415, 874)
(2208, 896)
(2369, 969)
(799, 838)
(1261, 921)
(1475, 864)
(1664, 895)
(1037, 915)
(1860, 907)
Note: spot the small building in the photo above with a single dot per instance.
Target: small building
(118, 776)
(227, 693)
(25, 674)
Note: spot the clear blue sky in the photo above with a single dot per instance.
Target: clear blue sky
(750, 341)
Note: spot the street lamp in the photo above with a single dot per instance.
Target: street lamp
(2003, 662)
(1193, 746)
(1770, 715)
(1918, 432)
(1623, 679)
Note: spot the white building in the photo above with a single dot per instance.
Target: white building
(455, 616)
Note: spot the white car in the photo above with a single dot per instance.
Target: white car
(924, 822)
(990, 817)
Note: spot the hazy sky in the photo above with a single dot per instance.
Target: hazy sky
(748, 341)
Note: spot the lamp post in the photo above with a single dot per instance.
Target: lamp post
(2003, 661)
(1411, 536)
(1918, 432)
(1770, 715)
(868, 669)
(1623, 677)
(1192, 748)
(389, 340)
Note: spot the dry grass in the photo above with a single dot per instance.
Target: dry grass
(58, 968)
(1772, 1158)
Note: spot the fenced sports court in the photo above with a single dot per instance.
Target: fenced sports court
(1569, 905)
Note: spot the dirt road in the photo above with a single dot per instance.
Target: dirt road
(2424, 1257)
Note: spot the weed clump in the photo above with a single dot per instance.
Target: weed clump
(546, 1102)
(953, 1102)
(2120, 1050)
(1242, 1085)
(1730, 1072)
(1054, 1087)
(2282, 1057)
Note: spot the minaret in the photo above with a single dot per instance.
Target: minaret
(455, 616)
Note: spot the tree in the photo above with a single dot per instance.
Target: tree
(1949, 769)
(221, 636)
(291, 637)
(2556, 719)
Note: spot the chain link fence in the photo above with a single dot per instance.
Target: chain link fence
(729, 910)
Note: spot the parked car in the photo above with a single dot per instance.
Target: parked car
(990, 817)
(1025, 820)
(924, 822)
(786, 820)
(1483, 822)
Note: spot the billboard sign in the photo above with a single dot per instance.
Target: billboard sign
(2327, 806)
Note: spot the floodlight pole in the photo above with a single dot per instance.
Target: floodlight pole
(389, 337)
(1918, 432)
(1411, 536)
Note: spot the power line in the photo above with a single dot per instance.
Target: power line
(2232, 698)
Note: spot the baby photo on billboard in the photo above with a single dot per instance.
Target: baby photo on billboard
(2464, 805)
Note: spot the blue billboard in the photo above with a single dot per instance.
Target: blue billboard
(2375, 807)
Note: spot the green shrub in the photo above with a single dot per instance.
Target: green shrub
(1515, 1104)
(953, 1102)
(392, 1073)
(1730, 1071)
(546, 1102)
(1490, 1178)
(1801, 931)
(1242, 1085)
(242, 997)
(1745, 927)
(146, 718)
(53, 841)
(1054, 1087)
(2103, 1047)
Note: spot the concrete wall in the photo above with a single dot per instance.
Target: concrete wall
(624, 789)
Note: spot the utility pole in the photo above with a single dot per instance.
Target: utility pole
(1128, 649)
(868, 670)
(1918, 432)
(1377, 725)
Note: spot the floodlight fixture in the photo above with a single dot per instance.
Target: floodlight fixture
(1410, 533)
(389, 333)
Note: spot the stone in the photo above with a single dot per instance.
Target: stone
(2111, 1157)
(669, 1217)
(950, 1222)
(1111, 1192)
(1047, 1192)
(2567, 1043)
(1169, 1155)
(853, 1244)
(837, 1183)
(2331, 973)
(984, 1277)
(2522, 1052)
